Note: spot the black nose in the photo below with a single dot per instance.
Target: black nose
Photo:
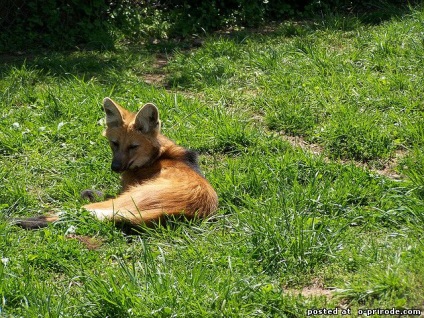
(116, 166)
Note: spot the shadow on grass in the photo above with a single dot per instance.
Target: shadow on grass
(88, 63)
(62, 64)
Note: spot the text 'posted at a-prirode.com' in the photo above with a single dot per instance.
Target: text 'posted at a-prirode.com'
(362, 312)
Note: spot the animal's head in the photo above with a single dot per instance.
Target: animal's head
(132, 136)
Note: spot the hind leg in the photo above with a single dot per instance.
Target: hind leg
(117, 209)
(127, 209)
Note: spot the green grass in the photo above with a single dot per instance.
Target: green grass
(288, 218)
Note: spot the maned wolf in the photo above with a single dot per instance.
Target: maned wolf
(158, 177)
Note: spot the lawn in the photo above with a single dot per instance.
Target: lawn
(312, 133)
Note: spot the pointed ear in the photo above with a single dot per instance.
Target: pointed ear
(147, 119)
(114, 113)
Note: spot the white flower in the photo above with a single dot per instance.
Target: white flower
(71, 230)
(5, 260)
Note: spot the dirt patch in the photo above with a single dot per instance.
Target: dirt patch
(384, 167)
(157, 77)
(389, 166)
(154, 79)
(315, 289)
(89, 242)
(312, 291)
(300, 142)
(161, 61)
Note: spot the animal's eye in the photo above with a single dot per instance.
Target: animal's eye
(114, 143)
(134, 146)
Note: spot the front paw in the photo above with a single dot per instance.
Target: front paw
(92, 195)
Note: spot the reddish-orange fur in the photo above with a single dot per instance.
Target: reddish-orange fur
(158, 177)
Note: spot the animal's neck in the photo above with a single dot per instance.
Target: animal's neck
(169, 150)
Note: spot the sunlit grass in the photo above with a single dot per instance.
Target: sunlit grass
(288, 218)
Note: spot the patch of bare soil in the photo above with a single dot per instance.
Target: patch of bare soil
(388, 166)
(161, 61)
(299, 142)
(385, 167)
(312, 291)
(89, 242)
(316, 289)
(157, 78)
(154, 79)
